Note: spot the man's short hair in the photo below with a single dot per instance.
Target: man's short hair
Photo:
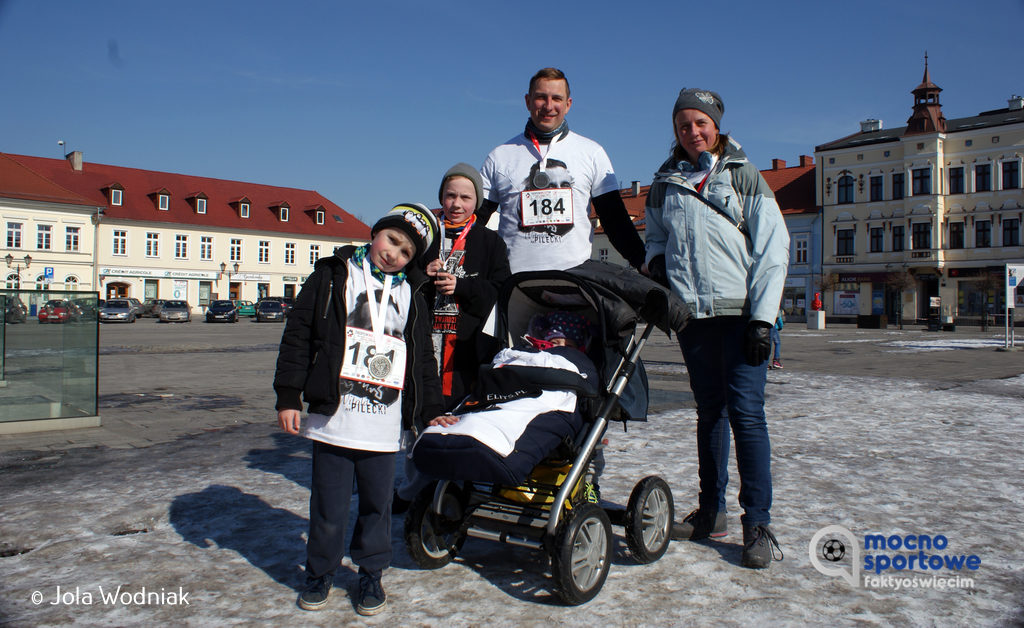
(551, 74)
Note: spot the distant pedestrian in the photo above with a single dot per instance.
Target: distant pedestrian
(356, 348)
(776, 339)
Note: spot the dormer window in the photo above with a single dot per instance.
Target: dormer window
(163, 202)
(115, 196)
(320, 217)
(284, 213)
(243, 210)
(200, 205)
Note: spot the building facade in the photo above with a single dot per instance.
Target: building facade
(921, 220)
(126, 232)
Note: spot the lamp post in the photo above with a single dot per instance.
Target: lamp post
(17, 267)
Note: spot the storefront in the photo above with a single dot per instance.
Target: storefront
(195, 286)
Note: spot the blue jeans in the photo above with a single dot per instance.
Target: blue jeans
(729, 393)
(776, 341)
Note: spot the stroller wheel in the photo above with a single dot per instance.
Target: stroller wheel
(432, 539)
(649, 519)
(582, 554)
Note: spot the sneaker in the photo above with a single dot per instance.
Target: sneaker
(372, 598)
(700, 524)
(759, 547)
(314, 597)
(776, 364)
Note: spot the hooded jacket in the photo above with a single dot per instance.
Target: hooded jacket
(313, 346)
(720, 266)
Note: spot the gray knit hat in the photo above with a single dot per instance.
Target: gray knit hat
(703, 100)
(414, 220)
(463, 169)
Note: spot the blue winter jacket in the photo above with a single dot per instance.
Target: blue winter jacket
(719, 266)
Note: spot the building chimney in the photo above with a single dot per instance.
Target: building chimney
(778, 164)
(75, 159)
(869, 125)
(1016, 103)
(635, 188)
(806, 160)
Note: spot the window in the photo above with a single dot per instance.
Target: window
(956, 180)
(71, 282)
(983, 178)
(200, 205)
(14, 235)
(43, 233)
(152, 244)
(877, 241)
(115, 196)
(120, 242)
(284, 213)
(844, 190)
(921, 236)
(898, 186)
(289, 252)
(235, 250)
(982, 234)
(877, 188)
(844, 242)
(1011, 175)
(71, 238)
(319, 217)
(206, 248)
(243, 210)
(180, 246)
(13, 281)
(897, 238)
(800, 247)
(1011, 232)
(922, 181)
(264, 252)
(602, 255)
(956, 235)
(314, 253)
(165, 202)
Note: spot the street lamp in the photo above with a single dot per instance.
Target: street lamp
(17, 267)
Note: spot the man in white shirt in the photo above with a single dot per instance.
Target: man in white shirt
(542, 182)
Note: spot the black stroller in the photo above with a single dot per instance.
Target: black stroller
(554, 510)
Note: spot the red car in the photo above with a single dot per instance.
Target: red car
(59, 311)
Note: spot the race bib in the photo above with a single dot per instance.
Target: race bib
(546, 207)
(365, 361)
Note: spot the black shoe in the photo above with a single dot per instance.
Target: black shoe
(759, 547)
(372, 598)
(700, 524)
(398, 505)
(314, 597)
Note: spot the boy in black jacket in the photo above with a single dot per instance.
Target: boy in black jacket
(357, 349)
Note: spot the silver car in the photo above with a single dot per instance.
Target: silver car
(117, 311)
(175, 312)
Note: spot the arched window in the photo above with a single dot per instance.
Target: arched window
(41, 283)
(71, 282)
(844, 189)
(13, 282)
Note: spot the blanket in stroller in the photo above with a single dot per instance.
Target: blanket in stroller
(525, 404)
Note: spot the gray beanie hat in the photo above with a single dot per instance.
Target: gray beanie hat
(463, 169)
(414, 220)
(703, 100)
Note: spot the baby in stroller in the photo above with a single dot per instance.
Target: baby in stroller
(527, 401)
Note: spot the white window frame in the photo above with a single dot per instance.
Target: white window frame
(264, 252)
(152, 244)
(314, 253)
(319, 217)
(801, 244)
(14, 235)
(119, 243)
(163, 202)
(115, 197)
(289, 253)
(235, 250)
(206, 248)
(243, 210)
(283, 213)
(72, 239)
(200, 205)
(180, 246)
(44, 237)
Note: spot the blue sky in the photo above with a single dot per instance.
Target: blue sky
(369, 103)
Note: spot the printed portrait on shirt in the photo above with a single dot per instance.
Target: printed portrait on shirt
(551, 214)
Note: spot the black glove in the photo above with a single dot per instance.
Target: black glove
(757, 344)
(656, 270)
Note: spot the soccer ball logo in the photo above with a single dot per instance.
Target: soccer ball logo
(833, 550)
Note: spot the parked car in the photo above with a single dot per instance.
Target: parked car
(59, 311)
(245, 308)
(286, 302)
(269, 310)
(175, 312)
(15, 311)
(89, 307)
(151, 308)
(136, 305)
(221, 311)
(117, 311)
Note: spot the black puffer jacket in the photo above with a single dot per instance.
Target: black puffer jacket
(313, 346)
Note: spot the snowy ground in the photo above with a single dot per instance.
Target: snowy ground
(222, 517)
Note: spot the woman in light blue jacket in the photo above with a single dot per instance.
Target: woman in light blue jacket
(716, 237)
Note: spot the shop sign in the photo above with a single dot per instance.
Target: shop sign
(125, 271)
(248, 277)
(287, 278)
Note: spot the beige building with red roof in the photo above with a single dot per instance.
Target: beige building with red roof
(74, 225)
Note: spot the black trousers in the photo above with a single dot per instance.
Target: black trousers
(334, 469)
